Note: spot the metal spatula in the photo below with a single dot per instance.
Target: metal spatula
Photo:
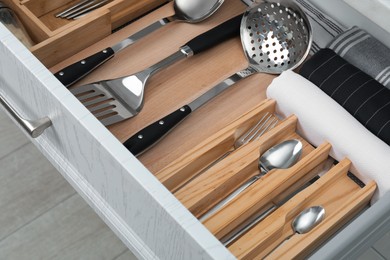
(117, 99)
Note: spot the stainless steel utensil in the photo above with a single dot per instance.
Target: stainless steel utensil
(308, 219)
(227, 240)
(280, 156)
(266, 123)
(114, 100)
(185, 11)
(81, 9)
(305, 222)
(275, 37)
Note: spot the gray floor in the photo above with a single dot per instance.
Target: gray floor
(43, 217)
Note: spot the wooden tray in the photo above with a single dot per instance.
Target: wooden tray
(340, 195)
(211, 131)
(57, 39)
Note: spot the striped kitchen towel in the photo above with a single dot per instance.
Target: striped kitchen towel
(324, 28)
(361, 95)
(364, 52)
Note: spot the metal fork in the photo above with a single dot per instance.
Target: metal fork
(80, 9)
(267, 122)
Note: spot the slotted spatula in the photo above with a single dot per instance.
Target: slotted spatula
(114, 100)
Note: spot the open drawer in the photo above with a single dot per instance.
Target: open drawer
(123, 189)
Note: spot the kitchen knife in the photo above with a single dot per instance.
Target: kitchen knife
(148, 136)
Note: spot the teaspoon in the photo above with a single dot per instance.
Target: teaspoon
(280, 156)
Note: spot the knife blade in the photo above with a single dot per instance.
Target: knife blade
(150, 135)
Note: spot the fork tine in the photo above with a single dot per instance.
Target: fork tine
(245, 136)
(77, 8)
(256, 131)
(87, 10)
(271, 125)
(71, 8)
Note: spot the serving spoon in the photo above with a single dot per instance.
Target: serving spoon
(190, 11)
(280, 156)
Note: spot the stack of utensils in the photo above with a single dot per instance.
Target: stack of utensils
(255, 181)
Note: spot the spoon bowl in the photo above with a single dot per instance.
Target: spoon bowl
(281, 156)
(308, 219)
(195, 11)
(303, 223)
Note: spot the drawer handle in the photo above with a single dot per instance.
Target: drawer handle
(33, 127)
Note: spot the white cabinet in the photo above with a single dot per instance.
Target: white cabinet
(146, 216)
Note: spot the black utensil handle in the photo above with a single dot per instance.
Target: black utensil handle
(222, 32)
(80, 69)
(155, 131)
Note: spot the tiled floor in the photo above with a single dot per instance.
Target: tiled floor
(42, 216)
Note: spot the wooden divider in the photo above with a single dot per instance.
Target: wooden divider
(200, 187)
(337, 193)
(57, 39)
(191, 163)
(262, 192)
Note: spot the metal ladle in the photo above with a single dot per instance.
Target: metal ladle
(275, 37)
(190, 11)
(280, 156)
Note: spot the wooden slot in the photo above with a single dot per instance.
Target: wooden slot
(226, 176)
(261, 193)
(57, 39)
(335, 191)
(57, 47)
(195, 160)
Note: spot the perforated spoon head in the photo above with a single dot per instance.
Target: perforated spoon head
(276, 36)
(195, 11)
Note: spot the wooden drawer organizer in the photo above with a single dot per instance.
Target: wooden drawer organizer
(176, 167)
(341, 197)
(55, 38)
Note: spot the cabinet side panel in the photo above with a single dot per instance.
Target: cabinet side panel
(146, 216)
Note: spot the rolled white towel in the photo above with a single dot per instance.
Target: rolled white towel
(321, 119)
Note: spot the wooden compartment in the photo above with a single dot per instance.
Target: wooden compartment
(57, 39)
(340, 195)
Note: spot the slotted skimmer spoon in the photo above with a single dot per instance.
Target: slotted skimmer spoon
(117, 99)
(190, 11)
(275, 37)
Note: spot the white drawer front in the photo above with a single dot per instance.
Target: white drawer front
(145, 215)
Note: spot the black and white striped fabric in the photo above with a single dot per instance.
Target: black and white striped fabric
(361, 95)
(324, 28)
(364, 52)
